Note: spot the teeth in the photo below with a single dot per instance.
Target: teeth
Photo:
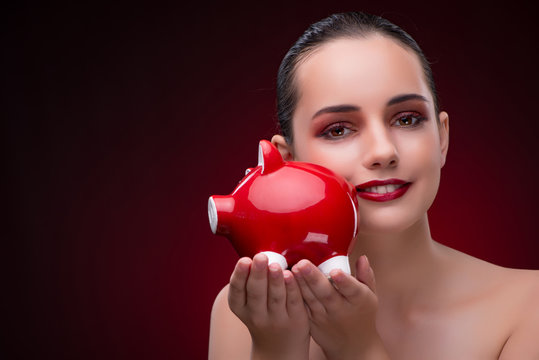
(383, 189)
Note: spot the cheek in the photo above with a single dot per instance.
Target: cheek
(422, 157)
(337, 158)
(421, 152)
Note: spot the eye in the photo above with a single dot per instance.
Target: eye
(409, 120)
(335, 132)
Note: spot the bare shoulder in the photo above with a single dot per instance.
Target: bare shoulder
(525, 284)
(523, 287)
(526, 280)
(485, 275)
(517, 288)
(508, 296)
(522, 342)
(229, 338)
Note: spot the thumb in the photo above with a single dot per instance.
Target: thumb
(364, 273)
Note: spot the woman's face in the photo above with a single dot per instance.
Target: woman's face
(366, 112)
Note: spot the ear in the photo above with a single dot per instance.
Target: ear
(283, 147)
(443, 129)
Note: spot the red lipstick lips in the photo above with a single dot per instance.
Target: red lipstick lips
(395, 189)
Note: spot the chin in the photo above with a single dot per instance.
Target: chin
(396, 226)
(393, 220)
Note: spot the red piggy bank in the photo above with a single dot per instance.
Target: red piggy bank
(290, 211)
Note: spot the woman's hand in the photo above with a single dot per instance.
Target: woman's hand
(268, 301)
(342, 311)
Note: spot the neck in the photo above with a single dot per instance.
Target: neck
(399, 258)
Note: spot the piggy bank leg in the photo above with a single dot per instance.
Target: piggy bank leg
(274, 257)
(336, 262)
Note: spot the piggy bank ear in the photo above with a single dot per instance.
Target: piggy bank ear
(269, 157)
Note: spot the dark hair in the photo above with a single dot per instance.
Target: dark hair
(342, 25)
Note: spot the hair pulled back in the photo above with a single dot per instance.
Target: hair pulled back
(337, 26)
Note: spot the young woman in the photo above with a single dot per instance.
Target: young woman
(356, 95)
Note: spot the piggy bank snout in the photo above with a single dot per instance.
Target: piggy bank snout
(220, 213)
(212, 215)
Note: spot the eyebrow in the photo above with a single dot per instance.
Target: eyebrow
(349, 108)
(336, 109)
(402, 98)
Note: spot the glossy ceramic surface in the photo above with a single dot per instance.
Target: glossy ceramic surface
(294, 209)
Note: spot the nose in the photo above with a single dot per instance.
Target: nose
(379, 150)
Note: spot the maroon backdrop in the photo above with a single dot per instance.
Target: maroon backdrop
(119, 122)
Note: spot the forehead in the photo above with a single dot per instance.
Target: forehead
(359, 71)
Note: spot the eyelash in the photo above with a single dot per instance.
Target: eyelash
(326, 132)
(419, 119)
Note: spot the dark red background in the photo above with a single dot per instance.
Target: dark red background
(120, 121)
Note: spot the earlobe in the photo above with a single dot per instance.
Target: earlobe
(283, 147)
(443, 129)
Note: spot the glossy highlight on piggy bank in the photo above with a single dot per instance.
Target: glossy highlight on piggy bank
(290, 211)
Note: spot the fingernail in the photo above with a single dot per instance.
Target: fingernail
(261, 256)
(259, 263)
(287, 277)
(274, 269)
(336, 276)
(305, 270)
(244, 261)
(243, 265)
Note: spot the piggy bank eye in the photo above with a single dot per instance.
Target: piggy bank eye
(247, 172)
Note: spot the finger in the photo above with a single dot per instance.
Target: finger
(350, 288)
(257, 284)
(276, 290)
(320, 286)
(315, 306)
(364, 273)
(294, 301)
(238, 280)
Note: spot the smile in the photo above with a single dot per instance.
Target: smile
(382, 190)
